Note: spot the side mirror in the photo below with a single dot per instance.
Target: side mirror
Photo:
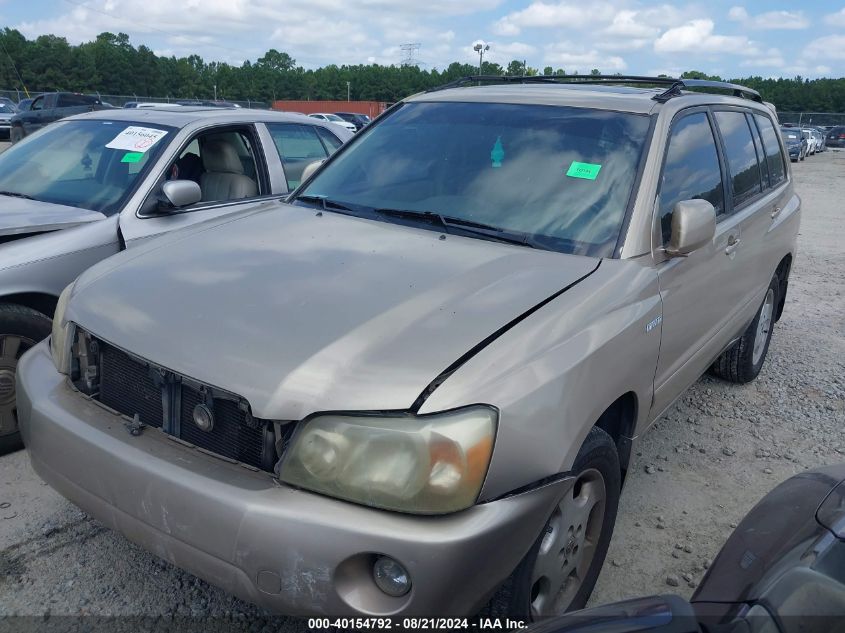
(693, 225)
(310, 168)
(180, 193)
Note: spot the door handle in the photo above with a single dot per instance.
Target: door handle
(775, 212)
(733, 242)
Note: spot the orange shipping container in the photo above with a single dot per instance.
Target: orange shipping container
(371, 108)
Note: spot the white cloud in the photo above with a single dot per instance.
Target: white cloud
(571, 58)
(738, 14)
(826, 48)
(770, 20)
(836, 19)
(553, 15)
(696, 36)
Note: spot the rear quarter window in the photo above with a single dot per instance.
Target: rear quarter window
(771, 148)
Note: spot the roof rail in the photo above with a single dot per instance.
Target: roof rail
(675, 85)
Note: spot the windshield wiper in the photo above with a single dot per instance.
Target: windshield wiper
(467, 226)
(326, 204)
(16, 194)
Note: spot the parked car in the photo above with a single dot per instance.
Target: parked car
(6, 113)
(779, 572)
(151, 104)
(836, 137)
(8, 102)
(50, 107)
(812, 141)
(333, 118)
(358, 120)
(419, 382)
(795, 142)
(113, 179)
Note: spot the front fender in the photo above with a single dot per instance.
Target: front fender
(555, 373)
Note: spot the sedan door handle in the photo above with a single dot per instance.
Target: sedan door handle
(733, 242)
(775, 212)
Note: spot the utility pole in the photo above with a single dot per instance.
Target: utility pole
(347, 91)
(409, 50)
(215, 92)
(481, 48)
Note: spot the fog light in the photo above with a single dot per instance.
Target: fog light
(391, 577)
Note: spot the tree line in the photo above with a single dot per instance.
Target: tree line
(111, 65)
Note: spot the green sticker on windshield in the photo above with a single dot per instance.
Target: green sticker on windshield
(587, 171)
(132, 157)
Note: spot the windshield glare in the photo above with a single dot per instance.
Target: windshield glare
(548, 171)
(68, 163)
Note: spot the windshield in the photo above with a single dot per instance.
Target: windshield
(6, 108)
(561, 175)
(92, 164)
(334, 117)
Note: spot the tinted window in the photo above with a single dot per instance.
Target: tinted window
(742, 157)
(561, 175)
(692, 169)
(67, 100)
(331, 142)
(758, 146)
(298, 145)
(771, 147)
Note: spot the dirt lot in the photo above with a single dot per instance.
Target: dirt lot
(697, 472)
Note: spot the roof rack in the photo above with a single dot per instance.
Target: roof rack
(675, 85)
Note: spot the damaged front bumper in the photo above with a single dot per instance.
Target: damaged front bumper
(290, 551)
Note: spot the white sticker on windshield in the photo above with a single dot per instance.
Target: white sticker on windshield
(136, 138)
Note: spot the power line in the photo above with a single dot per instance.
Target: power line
(409, 50)
(14, 67)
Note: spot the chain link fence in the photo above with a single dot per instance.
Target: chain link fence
(812, 118)
(120, 100)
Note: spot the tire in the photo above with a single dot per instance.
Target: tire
(20, 329)
(526, 594)
(743, 361)
(16, 134)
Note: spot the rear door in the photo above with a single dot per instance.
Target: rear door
(701, 292)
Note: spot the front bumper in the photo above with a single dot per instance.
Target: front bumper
(290, 551)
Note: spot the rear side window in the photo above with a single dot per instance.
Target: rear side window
(331, 142)
(692, 169)
(771, 148)
(742, 157)
(758, 145)
(68, 100)
(298, 145)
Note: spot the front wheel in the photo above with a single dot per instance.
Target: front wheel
(743, 361)
(20, 329)
(559, 572)
(16, 134)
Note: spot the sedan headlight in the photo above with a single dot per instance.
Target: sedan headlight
(59, 340)
(430, 464)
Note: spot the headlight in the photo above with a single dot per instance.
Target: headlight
(59, 343)
(430, 464)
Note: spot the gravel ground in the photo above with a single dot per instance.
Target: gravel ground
(696, 473)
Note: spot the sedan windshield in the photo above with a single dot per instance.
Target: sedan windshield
(91, 164)
(561, 177)
(7, 109)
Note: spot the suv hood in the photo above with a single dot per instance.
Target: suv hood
(299, 312)
(21, 216)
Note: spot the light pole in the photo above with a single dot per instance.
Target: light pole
(481, 48)
(347, 91)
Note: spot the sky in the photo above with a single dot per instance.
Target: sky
(729, 38)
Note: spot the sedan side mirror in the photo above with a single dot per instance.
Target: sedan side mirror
(180, 193)
(693, 226)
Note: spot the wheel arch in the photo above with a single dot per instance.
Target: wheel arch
(619, 421)
(782, 272)
(42, 302)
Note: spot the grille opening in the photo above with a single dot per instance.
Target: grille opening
(165, 400)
